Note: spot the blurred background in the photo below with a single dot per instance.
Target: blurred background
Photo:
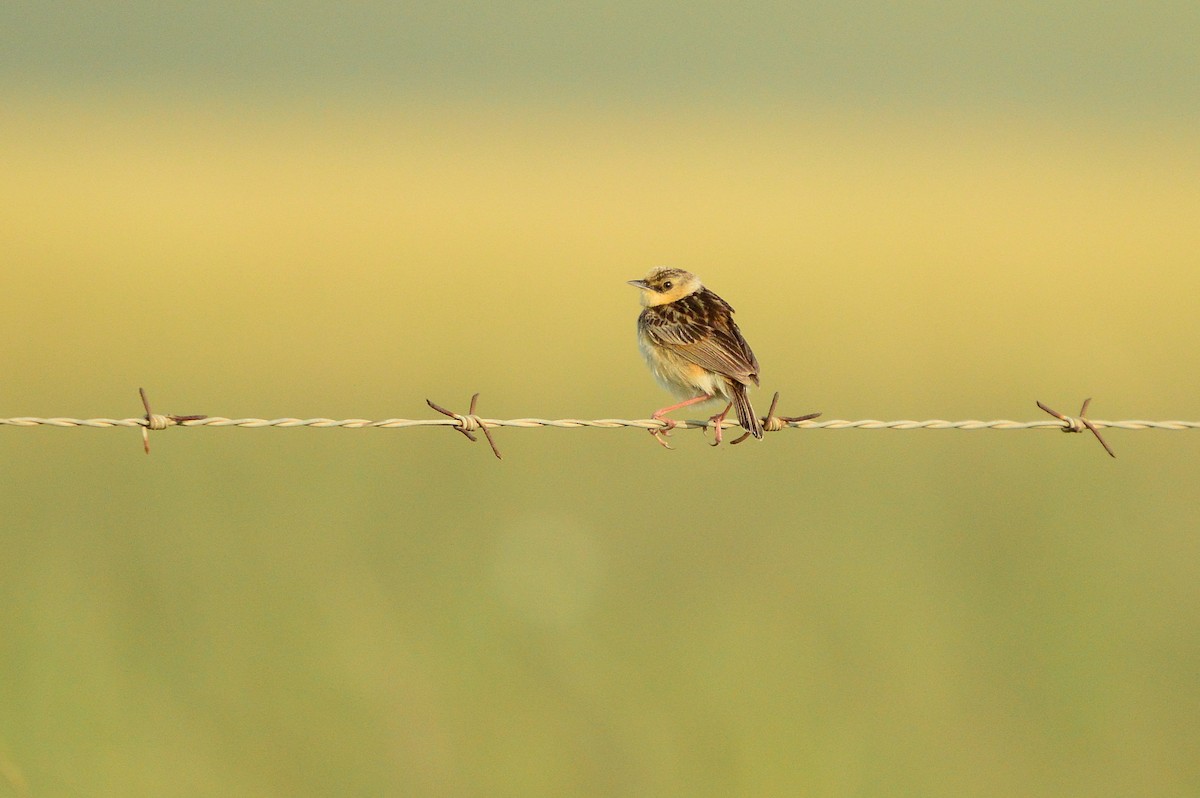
(925, 210)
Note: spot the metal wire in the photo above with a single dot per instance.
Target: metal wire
(576, 423)
(470, 422)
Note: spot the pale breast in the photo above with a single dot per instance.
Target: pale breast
(678, 375)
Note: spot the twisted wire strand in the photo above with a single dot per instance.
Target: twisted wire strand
(576, 423)
(470, 422)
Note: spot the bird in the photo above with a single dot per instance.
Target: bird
(694, 348)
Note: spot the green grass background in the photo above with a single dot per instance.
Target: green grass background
(311, 210)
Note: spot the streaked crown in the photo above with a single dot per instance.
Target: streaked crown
(666, 284)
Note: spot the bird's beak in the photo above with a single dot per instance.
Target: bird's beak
(639, 284)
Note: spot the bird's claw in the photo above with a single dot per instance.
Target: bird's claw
(661, 434)
(715, 421)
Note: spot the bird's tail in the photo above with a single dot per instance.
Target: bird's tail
(745, 411)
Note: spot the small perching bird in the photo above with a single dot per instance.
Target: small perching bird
(689, 338)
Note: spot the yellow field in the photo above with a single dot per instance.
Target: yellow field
(337, 612)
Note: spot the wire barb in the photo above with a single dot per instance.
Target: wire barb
(469, 423)
(774, 423)
(158, 421)
(1080, 423)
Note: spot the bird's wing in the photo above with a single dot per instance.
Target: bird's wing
(703, 332)
(747, 352)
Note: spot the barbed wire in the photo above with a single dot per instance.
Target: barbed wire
(470, 422)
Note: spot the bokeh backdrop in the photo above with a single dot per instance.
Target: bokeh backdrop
(924, 210)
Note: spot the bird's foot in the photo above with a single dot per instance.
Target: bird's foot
(716, 422)
(661, 434)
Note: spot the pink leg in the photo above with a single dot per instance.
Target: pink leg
(671, 423)
(717, 419)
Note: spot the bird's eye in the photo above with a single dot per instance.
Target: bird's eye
(667, 285)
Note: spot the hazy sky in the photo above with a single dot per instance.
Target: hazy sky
(1122, 58)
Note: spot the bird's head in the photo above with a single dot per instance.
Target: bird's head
(664, 284)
